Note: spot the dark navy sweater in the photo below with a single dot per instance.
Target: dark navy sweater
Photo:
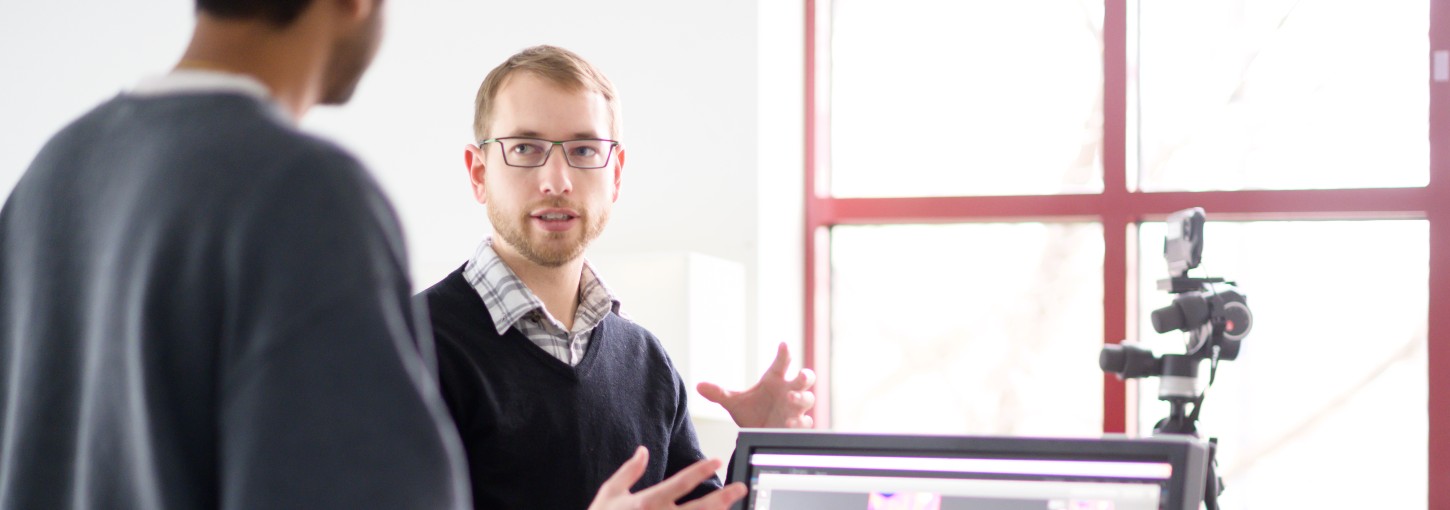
(541, 434)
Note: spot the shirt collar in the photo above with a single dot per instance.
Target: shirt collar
(181, 81)
(509, 300)
(205, 81)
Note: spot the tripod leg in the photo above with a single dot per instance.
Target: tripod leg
(1213, 486)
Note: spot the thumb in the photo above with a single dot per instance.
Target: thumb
(713, 392)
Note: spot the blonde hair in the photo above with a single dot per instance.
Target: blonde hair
(555, 64)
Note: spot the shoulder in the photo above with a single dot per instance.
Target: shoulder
(454, 309)
(303, 165)
(245, 143)
(244, 150)
(616, 325)
(299, 183)
(635, 341)
(450, 295)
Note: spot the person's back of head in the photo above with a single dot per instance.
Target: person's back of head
(278, 12)
(306, 52)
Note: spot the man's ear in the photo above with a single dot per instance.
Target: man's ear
(358, 10)
(473, 160)
(618, 171)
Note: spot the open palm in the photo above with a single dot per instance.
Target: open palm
(774, 402)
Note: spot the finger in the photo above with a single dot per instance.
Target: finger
(713, 392)
(720, 499)
(675, 487)
(627, 474)
(804, 400)
(782, 361)
(807, 422)
(803, 380)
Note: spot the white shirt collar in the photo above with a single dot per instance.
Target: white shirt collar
(182, 81)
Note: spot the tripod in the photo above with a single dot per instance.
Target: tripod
(1216, 316)
(1179, 378)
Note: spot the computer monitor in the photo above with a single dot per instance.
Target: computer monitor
(816, 470)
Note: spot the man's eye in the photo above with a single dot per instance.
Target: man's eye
(586, 151)
(527, 148)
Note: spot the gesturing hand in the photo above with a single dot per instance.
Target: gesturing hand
(774, 402)
(615, 495)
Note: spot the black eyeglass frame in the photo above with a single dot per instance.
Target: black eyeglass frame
(613, 144)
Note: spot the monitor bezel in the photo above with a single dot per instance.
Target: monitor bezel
(1187, 455)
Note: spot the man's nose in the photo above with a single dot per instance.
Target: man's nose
(554, 175)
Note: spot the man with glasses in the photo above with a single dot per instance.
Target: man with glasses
(203, 307)
(550, 387)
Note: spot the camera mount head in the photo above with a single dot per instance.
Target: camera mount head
(1213, 312)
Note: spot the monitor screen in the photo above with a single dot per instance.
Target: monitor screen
(815, 470)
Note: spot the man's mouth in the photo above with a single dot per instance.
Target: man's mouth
(555, 220)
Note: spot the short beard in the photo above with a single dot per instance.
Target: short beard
(351, 57)
(514, 233)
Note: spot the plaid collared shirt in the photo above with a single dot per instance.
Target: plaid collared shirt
(512, 304)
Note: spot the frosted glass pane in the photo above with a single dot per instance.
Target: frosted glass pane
(933, 98)
(967, 329)
(1283, 94)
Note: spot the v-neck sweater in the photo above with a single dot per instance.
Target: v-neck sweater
(539, 433)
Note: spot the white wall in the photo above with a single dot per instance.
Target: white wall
(721, 78)
(59, 58)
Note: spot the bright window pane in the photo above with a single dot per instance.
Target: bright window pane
(967, 329)
(932, 98)
(1325, 405)
(1283, 94)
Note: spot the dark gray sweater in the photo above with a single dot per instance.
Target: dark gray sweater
(542, 434)
(201, 307)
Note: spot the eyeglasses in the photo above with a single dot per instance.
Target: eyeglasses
(584, 153)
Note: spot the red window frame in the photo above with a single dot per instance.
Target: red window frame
(1118, 209)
